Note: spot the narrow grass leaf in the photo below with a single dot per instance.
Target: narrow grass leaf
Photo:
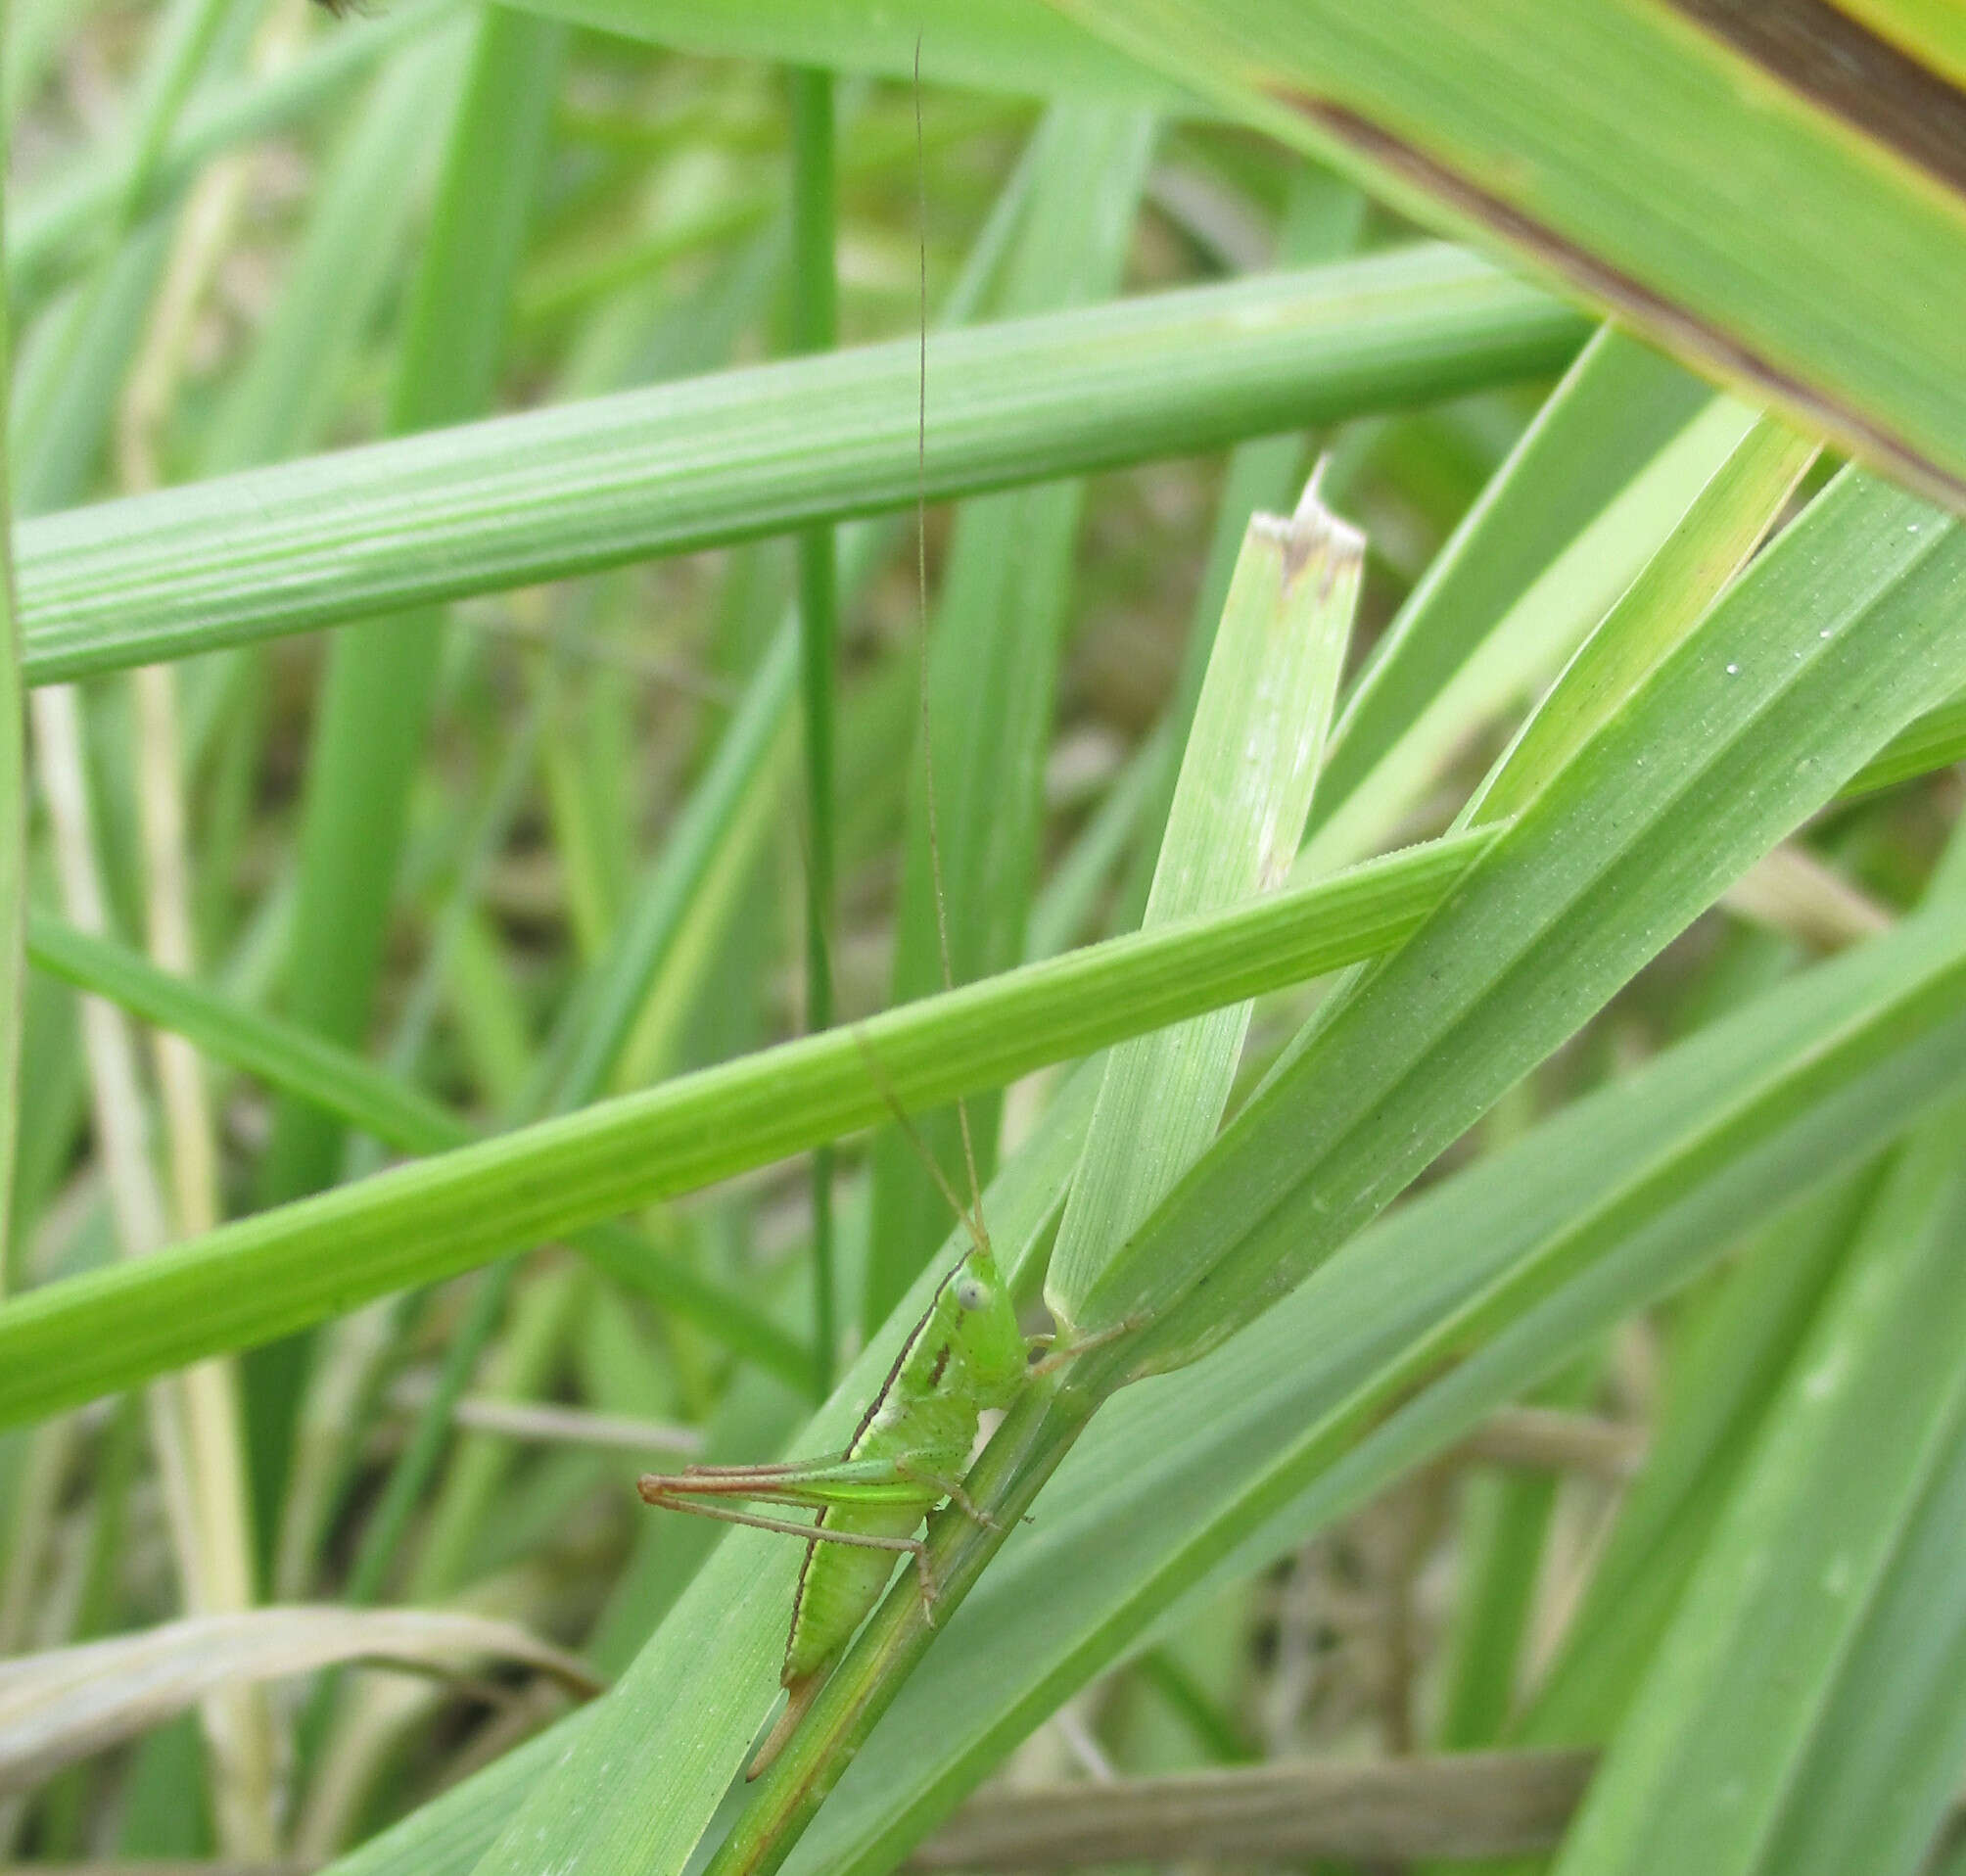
(1935, 741)
(280, 1270)
(1559, 532)
(1725, 1374)
(1734, 510)
(1882, 1775)
(997, 45)
(583, 486)
(369, 1100)
(1699, 1768)
(13, 842)
(993, 663)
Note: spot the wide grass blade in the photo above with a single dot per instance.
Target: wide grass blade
(1750, 721)
(1553, 129)
(1251, 761)
(1701, 1767)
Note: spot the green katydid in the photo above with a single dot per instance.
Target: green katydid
(966, 1356)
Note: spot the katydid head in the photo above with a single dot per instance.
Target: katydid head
(987, 1333)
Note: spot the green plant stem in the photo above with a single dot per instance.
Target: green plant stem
(13, 840)
(1024, 1451)
(816, 328)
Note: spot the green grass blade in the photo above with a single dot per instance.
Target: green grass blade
(13, 842)
(1699, 1768)
(1937, 740)
(279, 1271)
(589, 485)
(816, 328)
(1752, 721)
(1538, 558)
(1883, 1769)
(1718, 1396)
(1528, 124)
(369, 1100)
(1497, 1275)
(1734, 512)
(997, 45)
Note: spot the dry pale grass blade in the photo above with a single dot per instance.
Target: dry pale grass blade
(1468, 1805)
(1790, 890)
(543, 1424)
(1549, 1440)
(62, 1704)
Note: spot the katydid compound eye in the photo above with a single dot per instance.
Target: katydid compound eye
(969, 1294)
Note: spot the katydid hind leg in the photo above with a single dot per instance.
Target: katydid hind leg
(652, 1494)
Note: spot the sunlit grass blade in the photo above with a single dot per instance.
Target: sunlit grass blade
(585, 485)
(1565, 522)
(1251, 761)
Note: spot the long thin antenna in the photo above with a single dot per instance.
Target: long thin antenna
(974, 1215)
